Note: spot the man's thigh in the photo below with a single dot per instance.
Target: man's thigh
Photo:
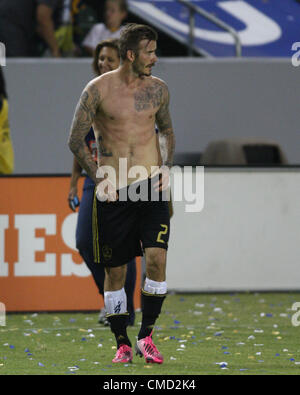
(155, 226)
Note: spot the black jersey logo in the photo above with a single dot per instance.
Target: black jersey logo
(107, 252)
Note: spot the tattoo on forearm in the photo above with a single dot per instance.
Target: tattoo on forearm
(148, 97)
(83, 119)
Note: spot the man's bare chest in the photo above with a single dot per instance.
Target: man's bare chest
(139, 103)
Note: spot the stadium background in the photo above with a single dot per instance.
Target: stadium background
(246, 236)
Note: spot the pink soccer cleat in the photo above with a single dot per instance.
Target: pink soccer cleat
(123, 355)
(145, 347)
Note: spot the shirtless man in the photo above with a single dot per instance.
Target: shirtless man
(123, 107)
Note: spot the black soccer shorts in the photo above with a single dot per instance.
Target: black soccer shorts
(122, 229)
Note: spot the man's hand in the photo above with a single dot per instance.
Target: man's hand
(55, 53)
(71, 196)
(164, 179)
(106, 191)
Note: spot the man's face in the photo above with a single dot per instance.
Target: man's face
(113, 14)
(108, 60)
(146, 58)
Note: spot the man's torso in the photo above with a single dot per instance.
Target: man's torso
(125, 123)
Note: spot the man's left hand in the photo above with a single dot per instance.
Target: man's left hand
(164, 179)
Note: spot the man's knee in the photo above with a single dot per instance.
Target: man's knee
(115, 278)
(156, 264)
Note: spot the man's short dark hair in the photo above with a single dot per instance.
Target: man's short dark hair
(131, 37)
(110, 43)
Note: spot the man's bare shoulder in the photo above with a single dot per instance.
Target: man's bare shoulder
(159, 82)
(161, 85)
(105, 78)
(100, 85)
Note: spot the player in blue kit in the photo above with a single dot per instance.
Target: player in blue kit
(106, 58)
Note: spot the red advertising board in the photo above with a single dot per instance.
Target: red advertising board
(40, 268)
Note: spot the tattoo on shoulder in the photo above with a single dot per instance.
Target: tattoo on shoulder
(85, 112)
(83, 119)
(90, 99)
(148, 97)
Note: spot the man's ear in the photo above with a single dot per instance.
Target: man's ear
(130, 55)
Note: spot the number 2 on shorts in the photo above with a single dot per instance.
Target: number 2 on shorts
(162, 232)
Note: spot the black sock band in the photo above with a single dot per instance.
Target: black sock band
(118, 326)
(151, 306)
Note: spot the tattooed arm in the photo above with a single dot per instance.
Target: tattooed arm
(83, 119)
(165, 128)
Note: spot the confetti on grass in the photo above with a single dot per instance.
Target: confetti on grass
(223, 365)
(207, 331)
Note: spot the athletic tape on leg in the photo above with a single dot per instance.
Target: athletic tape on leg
(155, 287)
(115, 302)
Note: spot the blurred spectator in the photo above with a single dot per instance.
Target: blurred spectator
(64, 30)
(85, 15)
(6, 149)
(21, 19)
(114, 15)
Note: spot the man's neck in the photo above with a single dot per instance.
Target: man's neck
(128, 76)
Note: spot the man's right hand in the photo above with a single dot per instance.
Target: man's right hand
(106, 191)
(71, 196)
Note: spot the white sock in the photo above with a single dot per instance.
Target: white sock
(155, 287)
(115, 302)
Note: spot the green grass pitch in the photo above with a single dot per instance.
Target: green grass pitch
(250, 333)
